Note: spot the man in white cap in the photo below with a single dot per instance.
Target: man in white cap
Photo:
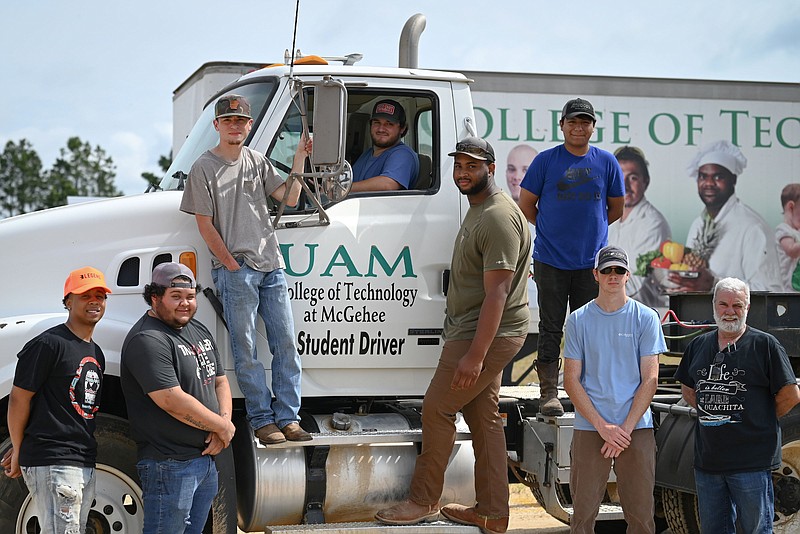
(728, 239)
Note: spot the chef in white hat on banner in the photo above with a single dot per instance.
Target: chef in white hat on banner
(728, 239)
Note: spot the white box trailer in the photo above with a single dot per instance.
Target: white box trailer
(367, 276)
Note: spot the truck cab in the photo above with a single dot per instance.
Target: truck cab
(367, 276)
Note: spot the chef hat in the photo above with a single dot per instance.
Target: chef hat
(722, 153)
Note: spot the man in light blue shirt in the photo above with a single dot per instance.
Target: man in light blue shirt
(611, 373)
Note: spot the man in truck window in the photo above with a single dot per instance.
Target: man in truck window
(179, 404)
(389, 164)
(571, 192)
(485, 326)
(227, 193)
(740, 381)
(51, 410)
(611, 373)
(728, 239)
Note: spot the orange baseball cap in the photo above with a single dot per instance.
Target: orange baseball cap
(83, 279)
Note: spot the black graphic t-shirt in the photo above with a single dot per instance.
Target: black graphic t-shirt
(66, 375)
(737, 427)
(156, 357)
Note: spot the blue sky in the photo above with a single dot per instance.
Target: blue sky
(105, 71)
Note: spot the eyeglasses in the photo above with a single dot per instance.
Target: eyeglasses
(617, 270)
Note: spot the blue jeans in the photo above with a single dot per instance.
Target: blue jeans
(557, 288)
(177, 494)
(62, 496)
(247, 294)
(744, 497)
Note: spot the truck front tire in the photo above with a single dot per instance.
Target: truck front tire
(117, 508)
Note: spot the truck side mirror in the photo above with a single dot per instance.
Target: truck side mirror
(329, 125)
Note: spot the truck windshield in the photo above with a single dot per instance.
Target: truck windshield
(203, 135)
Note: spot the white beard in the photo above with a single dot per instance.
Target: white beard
(731, 327)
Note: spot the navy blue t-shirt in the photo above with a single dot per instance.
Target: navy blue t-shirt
(737, 427)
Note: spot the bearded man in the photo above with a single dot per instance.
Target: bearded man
(389, 164)
(740, 381)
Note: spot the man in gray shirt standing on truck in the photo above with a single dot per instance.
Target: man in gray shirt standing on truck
(227, 193)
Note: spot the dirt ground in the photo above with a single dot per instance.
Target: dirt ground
(528, 517)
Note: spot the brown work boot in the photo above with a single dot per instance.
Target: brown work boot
(293, 432)
(408, 513)
(468, 516)
(548, 386)
(270, 434)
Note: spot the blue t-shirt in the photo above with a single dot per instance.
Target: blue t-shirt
(610, 346)
(399, 163)
(573, 191)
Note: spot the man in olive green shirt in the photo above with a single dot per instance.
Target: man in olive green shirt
(485, 326)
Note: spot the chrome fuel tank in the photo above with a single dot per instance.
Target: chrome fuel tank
(342, 475)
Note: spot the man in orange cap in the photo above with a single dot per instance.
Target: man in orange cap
(52, 407)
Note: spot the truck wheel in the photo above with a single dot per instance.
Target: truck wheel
(117, 508)
(787, 481)
(680, 511)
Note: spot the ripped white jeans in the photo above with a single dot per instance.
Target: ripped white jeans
(62, 496)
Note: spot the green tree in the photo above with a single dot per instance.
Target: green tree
(83, 171)
(153, 179)
(22, 188)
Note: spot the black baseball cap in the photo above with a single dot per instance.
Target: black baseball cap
(576, 107)
(389, 109)
(475, 147)
(611, 256)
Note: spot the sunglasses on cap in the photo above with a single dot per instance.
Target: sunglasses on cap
(469, 148)
(617, 270)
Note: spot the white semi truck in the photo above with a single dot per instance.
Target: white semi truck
(368, 277)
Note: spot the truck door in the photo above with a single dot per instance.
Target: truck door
(367, 289)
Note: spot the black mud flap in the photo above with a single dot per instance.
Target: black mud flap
(675, 453)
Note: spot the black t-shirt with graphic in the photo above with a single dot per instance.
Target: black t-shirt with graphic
(737, 428)
(66, 375)
(156, 357)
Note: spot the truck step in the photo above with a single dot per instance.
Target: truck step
(373, 527)
(608, 512)
(360, 438)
